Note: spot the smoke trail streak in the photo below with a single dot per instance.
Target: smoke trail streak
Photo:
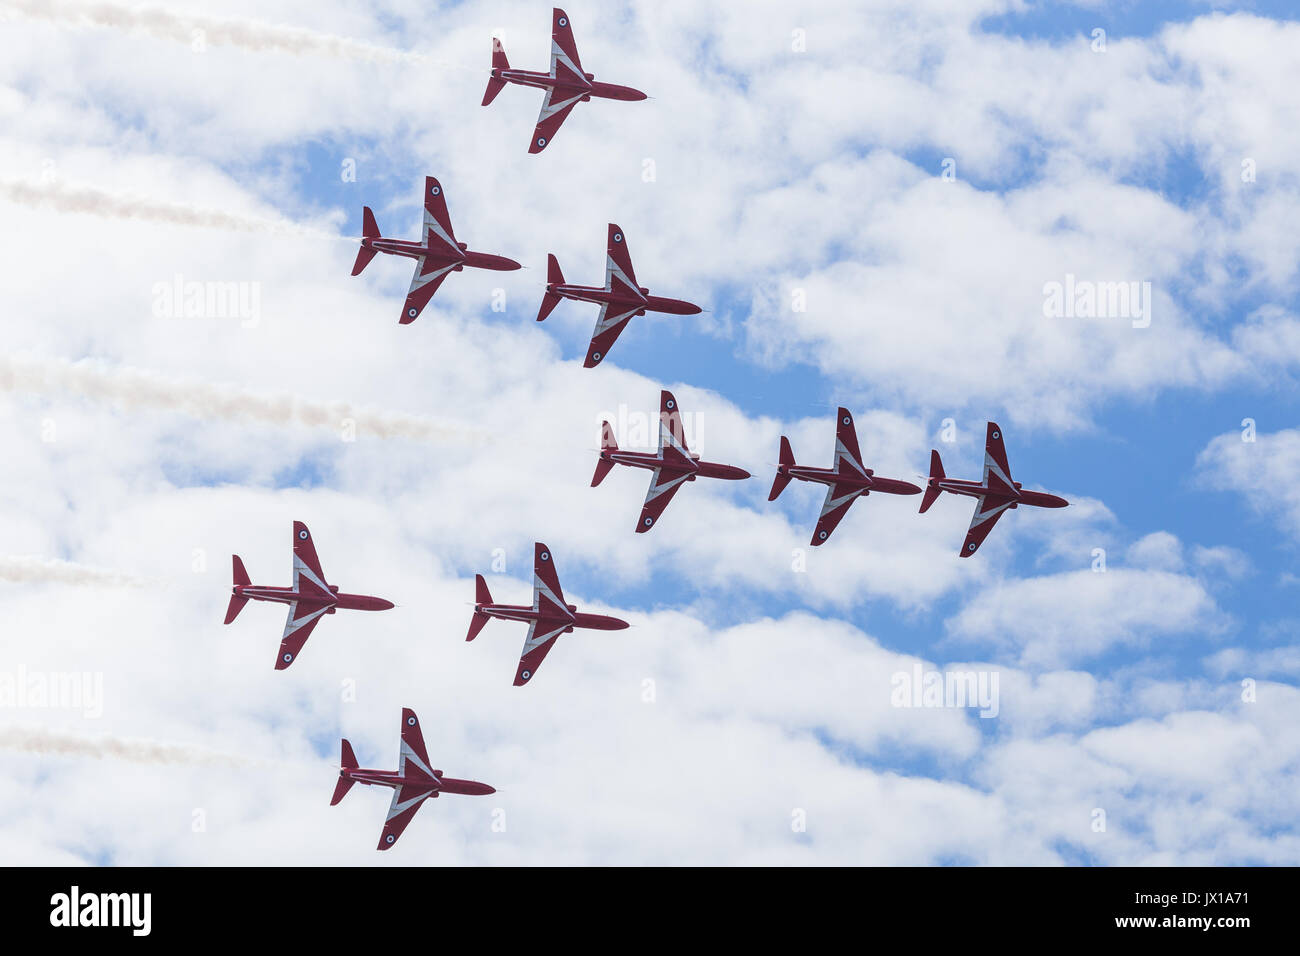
(97, 202)
(136, 389)
(26, 570)
(198, 30)
(134, 749)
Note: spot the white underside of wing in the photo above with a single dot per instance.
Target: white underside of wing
(552, 105)
(536, 639)
(658, 487)
(420, 281)
(844, 457)
(302, 570)
(611, 270)
(401, 806)
(981, 516)
(608, 319)
(408, 754)
(296, 623)
(831, 502)
(434, 228)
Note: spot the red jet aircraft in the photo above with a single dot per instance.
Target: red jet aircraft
(672, 466)
(435, 255)
(413, 781)
(566, 85)
(994, 495)
(619, 300)
(308, 598)
(845, 481)
(548, 618)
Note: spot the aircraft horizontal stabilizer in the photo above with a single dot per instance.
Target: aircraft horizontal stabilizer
(499, 62)
(607, 443)
(932, 489)
(782, 478)
(348, 761)
(237, 601)
(481, 596)
(553, 274)
(369, 230)
(553, 277)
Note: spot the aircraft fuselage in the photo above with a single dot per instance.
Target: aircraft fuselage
(574, 618)
(696, 468)
(975, 489)
(621, 301)
(391, 778)
(440, 254)
(866, 484)
(348, 602)
(568, 87)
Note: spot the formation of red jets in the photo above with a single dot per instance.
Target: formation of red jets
(437, 254)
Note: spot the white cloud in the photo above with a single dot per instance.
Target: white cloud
(1259, 466)
(1077, 615)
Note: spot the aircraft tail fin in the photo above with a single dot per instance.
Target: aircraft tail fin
(481, 596)
(237, 601)
(607, 443)
(499, 62)
(782, 477)
(347, 761)
(553, 277)
(369, 230)
(932, 490)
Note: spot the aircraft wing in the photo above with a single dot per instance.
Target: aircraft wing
(609, 326)
(838, 500)
(413, 759)
(997, 473)
(406, 800)
(437, 224)
(565, 64)
(985, 517)
(547, 595)
(308, 578)
(428, 276)
(848, 459)
(662, 489)
(536, 646)
(296, 631)
(556, 107)
(619, 275)
(672, 434)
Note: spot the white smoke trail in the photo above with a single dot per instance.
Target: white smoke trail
(136, 750)
(197, 30)
(25, 570)
(97, 202)
(136, 389)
